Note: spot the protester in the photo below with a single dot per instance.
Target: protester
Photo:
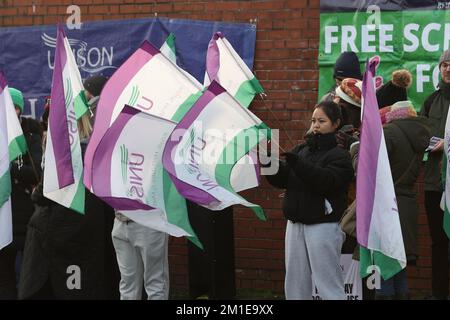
(92, 88)
(69, 255)
(346, 66)
(435, 108)
(316, 176)
(406, 136)
(25, 174)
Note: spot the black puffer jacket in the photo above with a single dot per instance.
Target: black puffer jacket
(322, 171)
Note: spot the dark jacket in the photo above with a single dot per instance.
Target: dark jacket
(322, 171)
(435, 108)
(406, 140)
(23, 178)
(59, 238)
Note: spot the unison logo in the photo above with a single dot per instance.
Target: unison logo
(89, 59)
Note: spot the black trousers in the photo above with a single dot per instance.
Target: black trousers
(439, 244)
(212, 270)
(8, 289)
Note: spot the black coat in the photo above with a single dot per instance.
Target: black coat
(23, 179)
(59, 238)
(320, 171)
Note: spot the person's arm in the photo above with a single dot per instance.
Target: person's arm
(280, 179)
(337, 173)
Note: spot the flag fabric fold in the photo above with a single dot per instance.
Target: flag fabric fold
(63, 169)
(12, 145)
(205, 146)
(5, 178)
(378, 225)
(147, 81)
(226, 67)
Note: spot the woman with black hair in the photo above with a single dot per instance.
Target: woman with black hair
(316, 175)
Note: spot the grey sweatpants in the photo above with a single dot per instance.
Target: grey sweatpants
(142, 256)
(313, 251)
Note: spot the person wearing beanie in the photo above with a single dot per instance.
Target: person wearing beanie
(346, 66)
(407, 136)
(92, 88)
(17, 98)
(435, 108)
(395, 89)
(25, 173)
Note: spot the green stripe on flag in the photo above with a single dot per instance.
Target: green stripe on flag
(176, 209)
(5, 187)
(171, 42)
(78, 201)
(247, 91)
(17, 147)
(186, 106)
(80, 105)
(223, 168)
(368, 258)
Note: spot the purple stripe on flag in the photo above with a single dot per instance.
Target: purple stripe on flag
(370, 141)
(108, 99)
(126, 204)
(101, 164)
(186, 190)
(254, 157)
(3, 82)
(212, 59)
(58, 117)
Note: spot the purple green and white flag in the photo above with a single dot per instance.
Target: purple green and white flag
(168, 48)
(63, 169)
(446, 177)
(226, 67)
(16, 142)
(147, 81)
(128, 174)
(6, 109)
(206, 145)
(378, 224)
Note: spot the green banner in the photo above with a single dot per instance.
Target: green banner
(402, 39)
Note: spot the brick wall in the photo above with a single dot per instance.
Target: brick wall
(286, 65)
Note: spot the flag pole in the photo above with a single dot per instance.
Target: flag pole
(262, 96)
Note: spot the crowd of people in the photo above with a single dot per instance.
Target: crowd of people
(105, 255)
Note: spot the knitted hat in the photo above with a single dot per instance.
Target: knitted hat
(95, 84)
(399, 110)
(444, 57)
(350, 90)
(347, 66)
(17, 98)
(395, 89)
